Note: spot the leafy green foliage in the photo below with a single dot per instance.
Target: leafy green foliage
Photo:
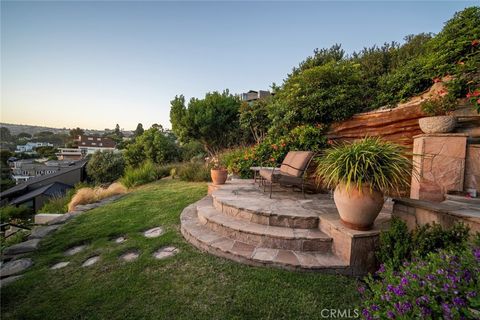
(145, 173)
(105, 166)
(398, 245)
(381, 165)
(395, 244)
(6, 180)
(155, 145)
(8, 213)
(213, 120)
(439, 106)
(191, 150)
(254, 118)
(139, 130)
(194, 171)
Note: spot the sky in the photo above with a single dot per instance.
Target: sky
(93, 64)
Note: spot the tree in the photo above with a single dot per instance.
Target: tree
(47, 152)
(213, 121)
(154, 145)
(6, 180)
(254, 118)
(5, 134)
(24, 135)
(139, 130)
(105, 166)
(74, 133)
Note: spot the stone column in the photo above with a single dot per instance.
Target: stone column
(439, 160)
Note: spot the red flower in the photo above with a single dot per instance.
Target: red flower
(272, 159)
(442, 92)
(476, 93)
(330, 141)
(274, 146)
(478, 101)
(469, 95)
(475, 42)
(436, 80)
(283, 144)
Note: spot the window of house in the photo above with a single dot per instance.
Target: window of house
(90, 138)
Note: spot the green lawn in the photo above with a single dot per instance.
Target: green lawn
(190, 285)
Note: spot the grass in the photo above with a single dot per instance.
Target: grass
(189, 285)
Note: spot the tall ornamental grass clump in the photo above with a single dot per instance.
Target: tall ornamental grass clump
(381, 165)
(145, 173)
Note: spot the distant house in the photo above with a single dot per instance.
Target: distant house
(31, 146)
(36, 191)
(86, 145)
(23, 170)
(252, 95)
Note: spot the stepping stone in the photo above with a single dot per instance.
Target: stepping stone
(120, 240)
(153, 233)
(15, 266)
(22, 247)
(130, 256)
(91, 261)
(60, 265)
(41, 232)
(165, 252)
(75, 250)
(6, 281)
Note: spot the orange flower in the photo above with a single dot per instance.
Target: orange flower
(272, 159)
(461, 63)
(475, 42)
(436, 80)
(330, 141)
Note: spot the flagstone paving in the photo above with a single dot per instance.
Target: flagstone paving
(153, 233)
(165, 252)
(120, 240)
(15, 266)
(91, 261)
(130, 256)
(74, 250)
(60, 265)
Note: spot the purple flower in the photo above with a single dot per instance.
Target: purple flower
(425, 311)
(422, 300)
(458, 301)
(447, 312)
(390, 314)
(374, 307)
(404, 281)
(398, 290)
(476, 253)
(431, 277)
(361, 289)
(471, 294)
(390, 288)
(381, 269)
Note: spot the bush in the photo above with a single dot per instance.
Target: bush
(398, 245)
(194, 172)
(444, 285)
(105, 166)
(395, 244)
(147, 172)
(439, 106)
(193, 149)
(8, 213)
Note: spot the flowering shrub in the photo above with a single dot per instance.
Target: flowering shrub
(474, 98)
(439, 106)
(444, 285)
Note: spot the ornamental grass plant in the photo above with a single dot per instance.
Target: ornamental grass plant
(372, 162)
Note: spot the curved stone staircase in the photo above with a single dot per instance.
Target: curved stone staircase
(238, 222)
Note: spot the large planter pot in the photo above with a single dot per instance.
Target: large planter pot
(357, 208)
(219, 176)
(439, 124)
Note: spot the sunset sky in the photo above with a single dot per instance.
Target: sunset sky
(94, 64)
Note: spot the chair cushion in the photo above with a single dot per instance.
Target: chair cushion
(266, 173)
(295, 162)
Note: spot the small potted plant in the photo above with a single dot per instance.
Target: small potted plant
(218, 172)
(439, 111)
(362, 172)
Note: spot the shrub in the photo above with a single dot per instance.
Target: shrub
(379, 164)
(147, 172)
(8, 213)
(91, 195)
(429, 238)
(192, 149)
(398, 245)
(444, 285)
(395, 244)
(439, 106)
(194, 172)
(105, 166)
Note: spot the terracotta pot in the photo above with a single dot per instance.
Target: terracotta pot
(439, 124)
(219, 176)
(357, 208)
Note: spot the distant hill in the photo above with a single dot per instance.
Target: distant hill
(18, 128)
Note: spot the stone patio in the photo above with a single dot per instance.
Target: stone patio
(238, 221)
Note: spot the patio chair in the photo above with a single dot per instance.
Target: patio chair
(292, 172)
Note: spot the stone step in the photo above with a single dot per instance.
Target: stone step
(206, 239)
(262, 235)
(260, 209)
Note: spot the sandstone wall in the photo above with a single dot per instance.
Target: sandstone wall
(472, 168)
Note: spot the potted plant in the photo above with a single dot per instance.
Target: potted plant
(218, 172)
(362, 172)
(439, 111)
